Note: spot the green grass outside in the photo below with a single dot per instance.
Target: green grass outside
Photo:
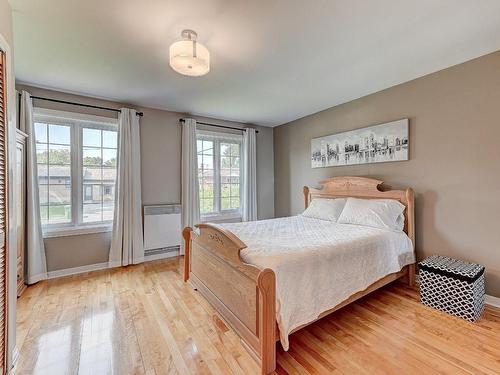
(57, 213)
(230, 197)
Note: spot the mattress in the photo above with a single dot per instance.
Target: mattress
(318, 263)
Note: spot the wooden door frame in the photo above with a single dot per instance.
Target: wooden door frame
(11, 284)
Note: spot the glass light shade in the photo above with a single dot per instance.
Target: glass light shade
(190, 58)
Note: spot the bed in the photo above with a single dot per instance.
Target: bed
(270, 278)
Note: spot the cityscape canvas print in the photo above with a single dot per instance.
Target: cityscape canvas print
(374, 144)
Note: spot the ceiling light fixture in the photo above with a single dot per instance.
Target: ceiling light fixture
(189, 57)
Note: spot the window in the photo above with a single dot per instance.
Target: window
(219, 170)
(76, 159)
(99, 148)
(53, 152)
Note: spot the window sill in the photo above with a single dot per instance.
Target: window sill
(76, 231)
(221, 218)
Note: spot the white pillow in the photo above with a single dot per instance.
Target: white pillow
(325, 209)
(378, 213)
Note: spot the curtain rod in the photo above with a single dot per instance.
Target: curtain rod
(80, 104)
(219, 126)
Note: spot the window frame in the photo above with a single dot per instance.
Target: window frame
(77, 122)
(217, 138)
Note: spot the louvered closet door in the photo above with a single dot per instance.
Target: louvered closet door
(3, 212)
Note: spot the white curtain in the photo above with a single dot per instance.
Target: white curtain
(36, 264)
(249, 201)
(189, 165)
(127, 245)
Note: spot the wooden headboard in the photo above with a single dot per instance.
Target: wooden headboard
(362, 187)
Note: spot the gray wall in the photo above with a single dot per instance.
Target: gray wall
(454, 163)
(161, 173)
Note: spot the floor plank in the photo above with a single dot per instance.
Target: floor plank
(144, 320)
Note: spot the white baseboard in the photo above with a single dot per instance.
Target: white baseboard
(115, 263)
(36, 278)
(492, 301)
(170, 254)
(103, 266)
(15, 357)
(77, 270)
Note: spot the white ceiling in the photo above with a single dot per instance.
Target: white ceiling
(272, 61)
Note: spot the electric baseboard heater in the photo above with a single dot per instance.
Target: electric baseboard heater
(162, 229)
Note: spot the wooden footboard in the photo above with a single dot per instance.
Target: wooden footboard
(243, 294)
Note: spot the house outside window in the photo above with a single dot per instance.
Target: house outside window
(76, 164)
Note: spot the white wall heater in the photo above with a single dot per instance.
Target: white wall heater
(162, 230)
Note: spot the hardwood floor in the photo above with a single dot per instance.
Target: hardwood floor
(144, 320)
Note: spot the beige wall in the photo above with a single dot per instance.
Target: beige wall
(161, 173)
(6, 22)
(454, 163)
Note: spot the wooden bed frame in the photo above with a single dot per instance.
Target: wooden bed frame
(245, 295)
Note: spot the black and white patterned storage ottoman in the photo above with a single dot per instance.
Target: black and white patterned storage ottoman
(452, 286)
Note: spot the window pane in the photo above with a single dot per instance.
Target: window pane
(59, 174)
(235, 163)
(224, 191)
(59, 194)
(53, 152)
(41, 132)
(206, 206)
(108, 192)
(97, 148)
(87, 192)
(59, 134)
(235, 190)
(109, 139)
(92, 174)
(224, 203)
(109, 157)
(208, 162)
(235, 202)
(91, 137)
(108, 210)
(207, 148)
(42, 153)
(108, 174)
(59, 214)
(92, 193)
(59, 154)
(207, 190)
(224, 149)
(225, 161)
(91, 156)
(229, 149)
(92, 213)
(235, 149)
(43, 193)
(43, 173)
(99, 174)
(225, 176)
(228, 157)
(44, 214)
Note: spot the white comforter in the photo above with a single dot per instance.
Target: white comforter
(318, 264)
